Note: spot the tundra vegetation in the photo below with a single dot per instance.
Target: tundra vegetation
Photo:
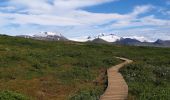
(48, 70)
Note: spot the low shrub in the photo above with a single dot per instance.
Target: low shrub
(9, 95)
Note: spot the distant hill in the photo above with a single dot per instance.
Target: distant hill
(165, 43)
(134, 42)
(128, 41)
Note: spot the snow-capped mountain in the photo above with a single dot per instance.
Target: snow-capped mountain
(51, 36)
(46, 34)
(82, 39)
(101, 38)
(139, 38)
(108, 38)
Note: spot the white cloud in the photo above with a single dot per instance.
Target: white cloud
(131, 19)
(151, 20)
(88, 18)
(142, 9)
(74, 4)
(140, 38)
(68, 13)
(39, 19)
(134, 21)
(9, 8)
(73, 17)
(164, 11)
(57, 6)
(43, 13)
(138, 22)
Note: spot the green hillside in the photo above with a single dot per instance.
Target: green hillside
(42, 70)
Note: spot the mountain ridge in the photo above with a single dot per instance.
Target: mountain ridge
(50, 36)
(101, 38)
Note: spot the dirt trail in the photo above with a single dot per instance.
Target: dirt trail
(117, 88)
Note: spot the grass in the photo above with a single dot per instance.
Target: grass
(149, 76)
(53, 70)
(66, 70)
(9, 95)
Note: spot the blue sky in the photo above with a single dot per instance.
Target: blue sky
(75, 18)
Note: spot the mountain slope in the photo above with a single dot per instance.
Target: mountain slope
(165, 43)
(98, 40)
(109, 38)
(128, 41)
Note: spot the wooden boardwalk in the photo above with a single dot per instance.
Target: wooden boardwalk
(117, 88)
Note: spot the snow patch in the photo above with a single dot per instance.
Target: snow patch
(139, 38)
(110, 38)
(45, 34)
(82, 39)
